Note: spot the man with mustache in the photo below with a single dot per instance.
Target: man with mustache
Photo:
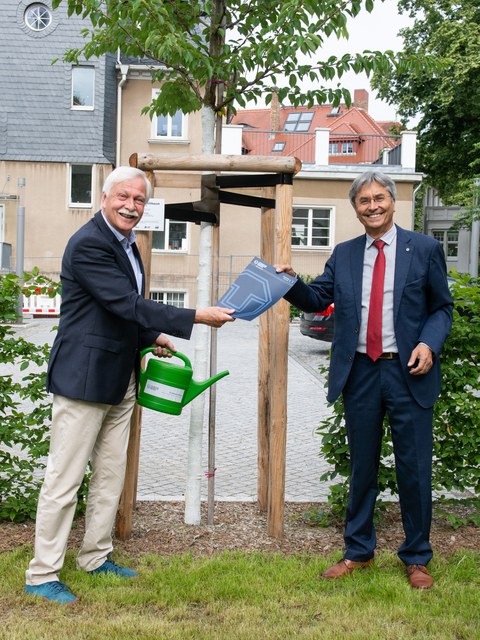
(393, 312)
(105, 322)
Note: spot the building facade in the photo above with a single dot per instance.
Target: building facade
(63, 127)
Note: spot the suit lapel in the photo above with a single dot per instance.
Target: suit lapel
(403, 259)
(119, 250)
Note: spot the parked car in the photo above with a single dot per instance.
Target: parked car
(318, 325)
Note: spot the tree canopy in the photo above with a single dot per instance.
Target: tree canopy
(448, 100)
(244, 47)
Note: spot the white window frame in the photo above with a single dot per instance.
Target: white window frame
(333, 149)
(347, 148)
(81, 107)
(169, 138)
(38, 17)
(310, 209)
(445, 242)
(278, 147)
(166, 231)
(80, 205)
(167, 292)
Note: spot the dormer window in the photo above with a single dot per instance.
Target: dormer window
(334, 112)
(38, 17)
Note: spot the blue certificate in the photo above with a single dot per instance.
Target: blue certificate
(256, 289)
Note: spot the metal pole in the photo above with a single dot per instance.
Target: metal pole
(212, 407)
(20, 248)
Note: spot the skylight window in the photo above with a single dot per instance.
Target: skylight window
(298, 121)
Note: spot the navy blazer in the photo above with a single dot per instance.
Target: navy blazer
(104, 321)
(422, 307)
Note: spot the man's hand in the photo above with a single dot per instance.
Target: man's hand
(162, 343)
(285, 268)
(214, 316)
(421, 360)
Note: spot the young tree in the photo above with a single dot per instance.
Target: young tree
(448, 101)
(209, 55)
(245, 48)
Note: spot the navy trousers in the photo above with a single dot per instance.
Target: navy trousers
(373, 390)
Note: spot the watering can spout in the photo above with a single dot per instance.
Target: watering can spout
(196, 388)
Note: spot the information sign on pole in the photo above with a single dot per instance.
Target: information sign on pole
(153, 218)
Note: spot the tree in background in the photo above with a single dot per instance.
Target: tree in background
(243, 48)
(448, 148)
(209, 55)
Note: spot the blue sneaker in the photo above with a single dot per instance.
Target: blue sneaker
(53, 591)
(109, 567)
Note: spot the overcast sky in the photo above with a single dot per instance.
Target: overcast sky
(371, 31)
(375, 31)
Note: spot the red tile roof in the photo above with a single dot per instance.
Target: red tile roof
(353, 125)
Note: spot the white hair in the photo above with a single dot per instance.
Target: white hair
(121, 174)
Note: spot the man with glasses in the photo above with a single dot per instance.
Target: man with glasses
(393, 313)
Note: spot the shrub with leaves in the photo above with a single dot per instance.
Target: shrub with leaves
(456, 425)
(23, 433)
(457, 411)
(25, 408)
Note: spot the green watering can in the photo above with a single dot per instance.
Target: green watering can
(168, 387)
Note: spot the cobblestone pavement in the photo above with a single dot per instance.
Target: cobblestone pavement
(164, 438)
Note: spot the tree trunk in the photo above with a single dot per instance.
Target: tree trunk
(193, 487)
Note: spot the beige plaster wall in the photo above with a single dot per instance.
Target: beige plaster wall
(136, 128)
(49, 221)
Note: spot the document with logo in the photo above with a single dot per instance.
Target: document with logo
(256, 289)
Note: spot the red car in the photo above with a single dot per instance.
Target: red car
(318, 325)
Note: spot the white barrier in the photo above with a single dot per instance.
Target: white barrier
(40, 304)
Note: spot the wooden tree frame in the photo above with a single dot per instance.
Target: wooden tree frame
(275, 176)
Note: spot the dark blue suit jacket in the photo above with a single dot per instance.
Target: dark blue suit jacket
(422, 307)
(104, 322)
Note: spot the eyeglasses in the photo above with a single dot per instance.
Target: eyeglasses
(365, 202)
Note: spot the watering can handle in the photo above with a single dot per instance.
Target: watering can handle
(177, 354)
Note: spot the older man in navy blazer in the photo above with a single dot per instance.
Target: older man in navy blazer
(398, 376)
(105, 322)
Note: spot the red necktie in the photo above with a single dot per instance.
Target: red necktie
(374, 327)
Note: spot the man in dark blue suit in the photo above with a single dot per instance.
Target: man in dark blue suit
(105, 322)
(391, 368)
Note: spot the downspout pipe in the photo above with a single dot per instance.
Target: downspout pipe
(413, 209)
(123, 79)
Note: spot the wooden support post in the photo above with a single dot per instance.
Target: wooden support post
(128, 498)
(278, 366)
(264, 347)
(274, 326)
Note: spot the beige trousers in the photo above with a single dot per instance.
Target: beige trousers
(81, 431)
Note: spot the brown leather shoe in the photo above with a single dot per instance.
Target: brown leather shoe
(344, 568)
(419, 577)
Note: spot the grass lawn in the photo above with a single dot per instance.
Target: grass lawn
(246, 596)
